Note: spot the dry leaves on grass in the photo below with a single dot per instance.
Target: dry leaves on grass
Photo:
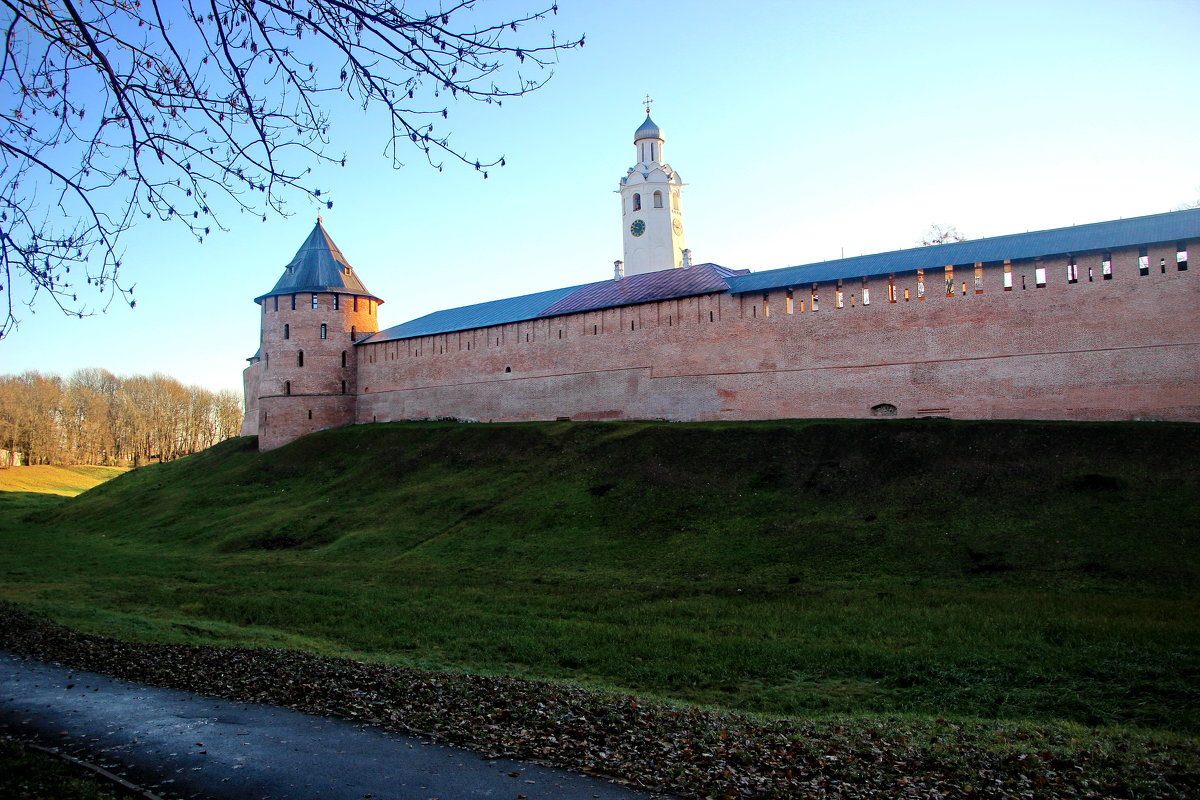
(688, 752)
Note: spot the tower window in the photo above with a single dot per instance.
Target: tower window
(658, 203)
(1072, 271)
(314, 301)
(343, 358)
(336, 302)
(287, 387)
(1143, 262)
(299, 358)
(356, 302)
(1008, 278)
(1181, 256)
(287, 331)
(343, 387)
(310, 413)
(266, 360)
(276, 299)
(637, 202)
(325, 329)
(1106, 267)
(353, 333)
(1039, 277)
(293, 302)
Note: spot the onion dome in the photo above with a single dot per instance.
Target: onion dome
(648, 130)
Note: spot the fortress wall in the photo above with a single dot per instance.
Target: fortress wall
(294, 398)
(1099, 349)
(283, 418)
(251, 380)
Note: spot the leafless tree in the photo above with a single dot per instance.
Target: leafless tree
(95, 417)
(941, 234)
(190, 110)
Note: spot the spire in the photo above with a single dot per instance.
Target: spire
(319, 266)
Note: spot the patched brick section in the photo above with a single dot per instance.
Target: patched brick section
(1094, 350)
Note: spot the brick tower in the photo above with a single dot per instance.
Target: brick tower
(304, 376)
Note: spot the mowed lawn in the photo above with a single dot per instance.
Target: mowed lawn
(1023, 571)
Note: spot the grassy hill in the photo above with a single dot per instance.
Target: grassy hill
(1026, 571)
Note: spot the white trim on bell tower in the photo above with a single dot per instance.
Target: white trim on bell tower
(651, 219)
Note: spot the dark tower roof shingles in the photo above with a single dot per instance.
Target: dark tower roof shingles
(319, 266)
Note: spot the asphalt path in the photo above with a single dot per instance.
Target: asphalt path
(182, 745)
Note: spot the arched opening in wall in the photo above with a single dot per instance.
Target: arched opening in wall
(299, 358)
(343, 358)
(637, 202)
(658, 203)
(287, 387)
(508, 369)
(883, 410)
(325, 329)
(287, 331)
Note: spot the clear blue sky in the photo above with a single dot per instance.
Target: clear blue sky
(803, 130)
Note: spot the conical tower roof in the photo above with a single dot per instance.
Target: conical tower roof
(319, 266)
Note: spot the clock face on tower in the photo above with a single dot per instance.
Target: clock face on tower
(638, 227)
(677, 225)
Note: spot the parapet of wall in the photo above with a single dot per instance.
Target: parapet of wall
(1094, 349)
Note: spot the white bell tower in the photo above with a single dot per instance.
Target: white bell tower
(651, 219)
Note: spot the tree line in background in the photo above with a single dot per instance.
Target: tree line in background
(95, 417)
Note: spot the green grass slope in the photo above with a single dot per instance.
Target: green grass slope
(1029, 571)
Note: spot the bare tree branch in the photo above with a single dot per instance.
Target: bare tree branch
(190, 110)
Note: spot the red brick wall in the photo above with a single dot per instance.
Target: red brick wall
(288, 392)
(1118, 349)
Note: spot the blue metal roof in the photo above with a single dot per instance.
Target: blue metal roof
(319, 266)
(1172, 226)
(481, 315)
(644, 288)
